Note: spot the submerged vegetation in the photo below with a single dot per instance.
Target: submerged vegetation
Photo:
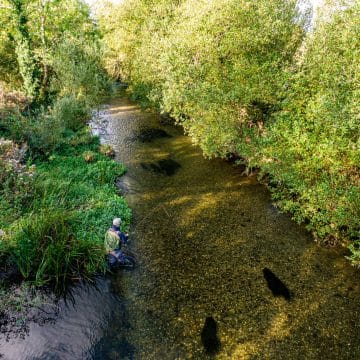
(252, 78)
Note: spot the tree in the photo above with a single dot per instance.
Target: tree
(33, 31)
(27, 66)
(313, 143)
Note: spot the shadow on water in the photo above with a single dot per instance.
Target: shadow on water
(209, 336)
(150, 134)
(164, 166)
(277, 287)
(90, 323)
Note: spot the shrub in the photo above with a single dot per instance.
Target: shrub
(78, 71)
(16, 178)
(312, 146)
(208, 69)
(40, 130)
(72, 112)
(46, 133)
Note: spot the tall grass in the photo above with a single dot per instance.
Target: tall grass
(59, 236)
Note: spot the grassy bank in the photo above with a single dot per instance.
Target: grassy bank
(54, 230)
(57, 192)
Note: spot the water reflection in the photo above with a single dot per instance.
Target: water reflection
(85, 317)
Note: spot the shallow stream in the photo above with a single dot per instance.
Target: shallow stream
(203, 233)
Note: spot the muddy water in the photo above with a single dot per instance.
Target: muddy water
(203, 234)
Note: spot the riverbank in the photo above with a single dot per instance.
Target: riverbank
(53, 229)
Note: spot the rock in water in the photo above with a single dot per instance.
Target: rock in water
(209, 336)
(277, 287)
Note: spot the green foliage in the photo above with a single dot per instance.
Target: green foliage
(23, 48)
(78, 71)
(54, 218)
(27, 68)
(9, 73)
(45, 129)
(16, 180)
(54, 47)
(45, 133)
(41, 244)
(207, 69)
(42, 131)
(243, 77)
(60, 234)
(312, 147)
(72, 112)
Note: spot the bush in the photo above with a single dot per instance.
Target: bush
(16, 178)
(45, 129)
(78, 71)
(40, 130)
(72, 112)
(312, 146)
(209, 69)
(45, 133)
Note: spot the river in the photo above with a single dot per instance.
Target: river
(203, 233)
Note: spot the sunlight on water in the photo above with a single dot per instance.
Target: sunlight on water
(204, 235)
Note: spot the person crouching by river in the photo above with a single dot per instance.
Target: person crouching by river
(114, 239)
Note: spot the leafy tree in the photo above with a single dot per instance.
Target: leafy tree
(34, 31)
(211, 68)
(244, 77)
(18, 22)
(312, 148)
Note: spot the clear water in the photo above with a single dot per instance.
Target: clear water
(202, 233)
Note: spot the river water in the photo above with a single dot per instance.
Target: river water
(203, 233)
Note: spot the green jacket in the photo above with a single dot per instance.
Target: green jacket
(112, 241)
